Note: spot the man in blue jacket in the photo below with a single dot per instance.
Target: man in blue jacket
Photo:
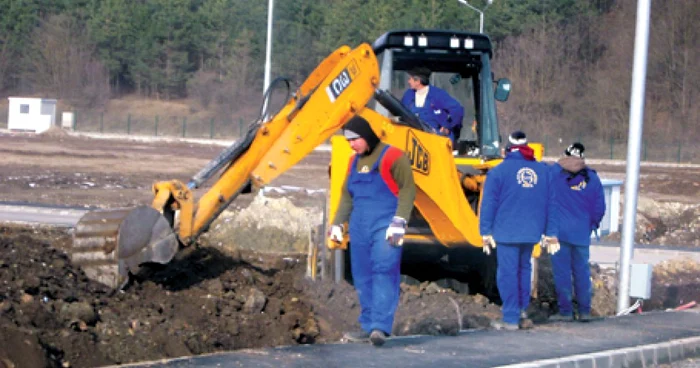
(517, 208)
(581, 202)
(433, 105)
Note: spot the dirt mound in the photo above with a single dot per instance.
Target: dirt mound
(208, 300)
(205, 301)
(667, 223)
(674, 283)
(55, 131)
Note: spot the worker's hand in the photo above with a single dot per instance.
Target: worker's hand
(335, 233)
(444, 131)
(489, 243)
(551, 243)
(396, 231)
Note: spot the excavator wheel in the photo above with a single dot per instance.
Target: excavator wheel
(111, 244)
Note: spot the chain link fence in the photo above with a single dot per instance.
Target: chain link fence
(158, 125)
(654, 149)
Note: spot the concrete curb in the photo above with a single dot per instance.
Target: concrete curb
(638, 356)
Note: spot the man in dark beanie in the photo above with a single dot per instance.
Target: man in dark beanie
(581, 203)
(377, 200)
(432, 104)
(517, 208)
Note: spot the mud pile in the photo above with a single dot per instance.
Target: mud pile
(664, 223)
(205, 301)
(209, 299)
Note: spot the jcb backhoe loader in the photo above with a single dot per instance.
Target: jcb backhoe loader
(111, 244)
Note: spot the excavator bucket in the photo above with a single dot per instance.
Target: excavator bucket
(111, 244)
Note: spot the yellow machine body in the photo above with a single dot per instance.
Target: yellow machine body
(346, 83)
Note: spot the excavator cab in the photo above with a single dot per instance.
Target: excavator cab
(461, 65)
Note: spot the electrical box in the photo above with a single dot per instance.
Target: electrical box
(640, 281)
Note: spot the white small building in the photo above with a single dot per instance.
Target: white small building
(31, 114)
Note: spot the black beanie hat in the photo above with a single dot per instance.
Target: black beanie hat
(517, 138)
(361, 127)
(576, 150)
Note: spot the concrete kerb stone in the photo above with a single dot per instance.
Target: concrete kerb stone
(638, 356)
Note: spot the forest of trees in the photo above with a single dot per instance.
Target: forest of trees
(570, 60)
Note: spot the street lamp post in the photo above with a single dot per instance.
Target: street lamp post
(481, 12)
(268, 48)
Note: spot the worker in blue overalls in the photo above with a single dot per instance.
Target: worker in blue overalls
(377, 200)
(517, 209)
(581, 203)
(433, 105)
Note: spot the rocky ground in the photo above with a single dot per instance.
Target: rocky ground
(244, 285)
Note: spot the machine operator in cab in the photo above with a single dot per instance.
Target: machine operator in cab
(432, 104)
(376, 201)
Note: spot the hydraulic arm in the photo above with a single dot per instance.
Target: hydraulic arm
(110, 244)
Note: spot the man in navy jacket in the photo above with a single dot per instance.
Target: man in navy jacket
(517, 209)
(581, 203)
(433, 105)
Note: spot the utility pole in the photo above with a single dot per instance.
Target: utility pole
(639, 72)
(481, 12)
(268, 48)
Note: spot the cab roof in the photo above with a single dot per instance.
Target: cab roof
(438, 50)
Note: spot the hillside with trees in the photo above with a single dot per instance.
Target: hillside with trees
(570, 61)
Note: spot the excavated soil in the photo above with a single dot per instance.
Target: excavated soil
(210, 299)
(229, 292)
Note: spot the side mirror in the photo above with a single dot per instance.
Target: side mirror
(502, 90)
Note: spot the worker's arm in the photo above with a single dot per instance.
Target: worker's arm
(489, 203)
(342, 215)
(552, 224)
(451, 109)
(599, 202)
(403, 176)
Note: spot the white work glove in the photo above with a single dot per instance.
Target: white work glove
(396, 231)
(551, 244)
(335, 234)
(489, 243)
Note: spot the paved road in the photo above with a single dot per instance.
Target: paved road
(609, 255)
(37, 214)
(645, 340)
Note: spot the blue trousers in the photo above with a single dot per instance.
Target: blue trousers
(513, 278)
(376, 271)
(572, 261)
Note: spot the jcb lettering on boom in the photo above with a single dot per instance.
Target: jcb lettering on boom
(342, 81)
(418, 155)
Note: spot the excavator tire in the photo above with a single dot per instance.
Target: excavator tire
(111, 244)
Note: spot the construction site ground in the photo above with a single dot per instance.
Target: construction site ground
(240, 289)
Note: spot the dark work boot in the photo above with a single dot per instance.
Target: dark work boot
(525, 322)
(356, 336)
(377, 337)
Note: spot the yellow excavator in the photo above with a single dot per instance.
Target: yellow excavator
(443, 239)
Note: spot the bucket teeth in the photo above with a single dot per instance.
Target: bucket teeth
(110, 244)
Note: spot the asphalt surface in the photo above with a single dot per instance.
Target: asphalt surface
(635, 340)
